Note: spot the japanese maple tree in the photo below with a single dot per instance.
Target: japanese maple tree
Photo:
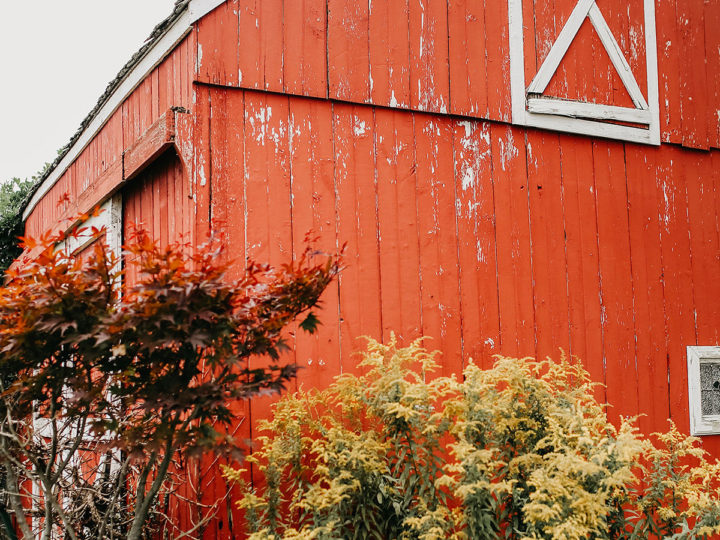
(103, 386)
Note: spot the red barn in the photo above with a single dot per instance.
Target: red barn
(509, 177)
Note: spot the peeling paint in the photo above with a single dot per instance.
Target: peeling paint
(360, 127)
(394, 102)
(508, 150)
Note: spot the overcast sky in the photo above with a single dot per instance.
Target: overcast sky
(57, 57)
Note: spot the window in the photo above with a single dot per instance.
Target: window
(704, 390)
(531, 107)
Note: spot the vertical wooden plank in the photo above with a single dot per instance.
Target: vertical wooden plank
(184, 124)
(476, 240)
(233, 148)
(218, 43)
(155, 94)
(515, 291)
(429, 61)
(188, 67)
(581, 243)
(712, 57)
(176, 85)
(693, 76)
(354, 135)
(578, 194)
(397, 216)
(677, 272)
(547, 229)
(261, 52)
(171, 185)
(647, 276)
(539, 36)
(159, 204)
(636, 50)
(305, 59)
(271, 28)
(129, 220)
(221, 172)
(498, 61)
(616, 279)
(250, 54)
(617, 15)
(165, 81)
(209, 477)
(268, 222)
(711, 167)
(468, 58)
(703, 245)
(669, 45)
(313, 212)
(439, 273)
(348, 54)
(268, 178)
(202, 177)
(568, 71)
(389, 52)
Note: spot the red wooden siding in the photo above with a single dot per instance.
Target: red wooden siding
(491, 239)
(157, 201)
(452, 56)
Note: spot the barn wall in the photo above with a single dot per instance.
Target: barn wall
(453, 56)
(489, 238)
(157, 201)
(169, 85)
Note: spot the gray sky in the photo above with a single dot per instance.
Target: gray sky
(57, 57)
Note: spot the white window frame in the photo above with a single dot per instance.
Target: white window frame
(110, 218)
(530, 108)
(700, 424)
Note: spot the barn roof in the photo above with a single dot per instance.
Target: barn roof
(184, 13)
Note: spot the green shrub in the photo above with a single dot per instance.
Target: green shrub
(12, 195)
(519, 451)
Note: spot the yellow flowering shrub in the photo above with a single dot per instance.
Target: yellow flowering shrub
(519, 451)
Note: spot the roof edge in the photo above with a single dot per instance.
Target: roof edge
(163, 39)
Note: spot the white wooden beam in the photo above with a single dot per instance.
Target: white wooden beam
(578, 116)
(593, 128)
(616, 57)
(594, 111)
(653, 94)
(200, 8)
(517, 61)
(560, 47)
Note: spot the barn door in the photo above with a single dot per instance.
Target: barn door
(586, 66)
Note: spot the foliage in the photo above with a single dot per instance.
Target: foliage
(103, 390)
(12, 195)
(519, 451)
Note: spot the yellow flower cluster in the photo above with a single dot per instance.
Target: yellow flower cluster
(519, 451)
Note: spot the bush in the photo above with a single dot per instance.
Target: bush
(12, 196)
(101, 392)
(522, 450)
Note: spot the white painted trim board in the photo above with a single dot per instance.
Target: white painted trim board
(577, 116)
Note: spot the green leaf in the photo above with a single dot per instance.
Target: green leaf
(310, 323)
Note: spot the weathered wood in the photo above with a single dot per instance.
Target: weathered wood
(156, 140)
